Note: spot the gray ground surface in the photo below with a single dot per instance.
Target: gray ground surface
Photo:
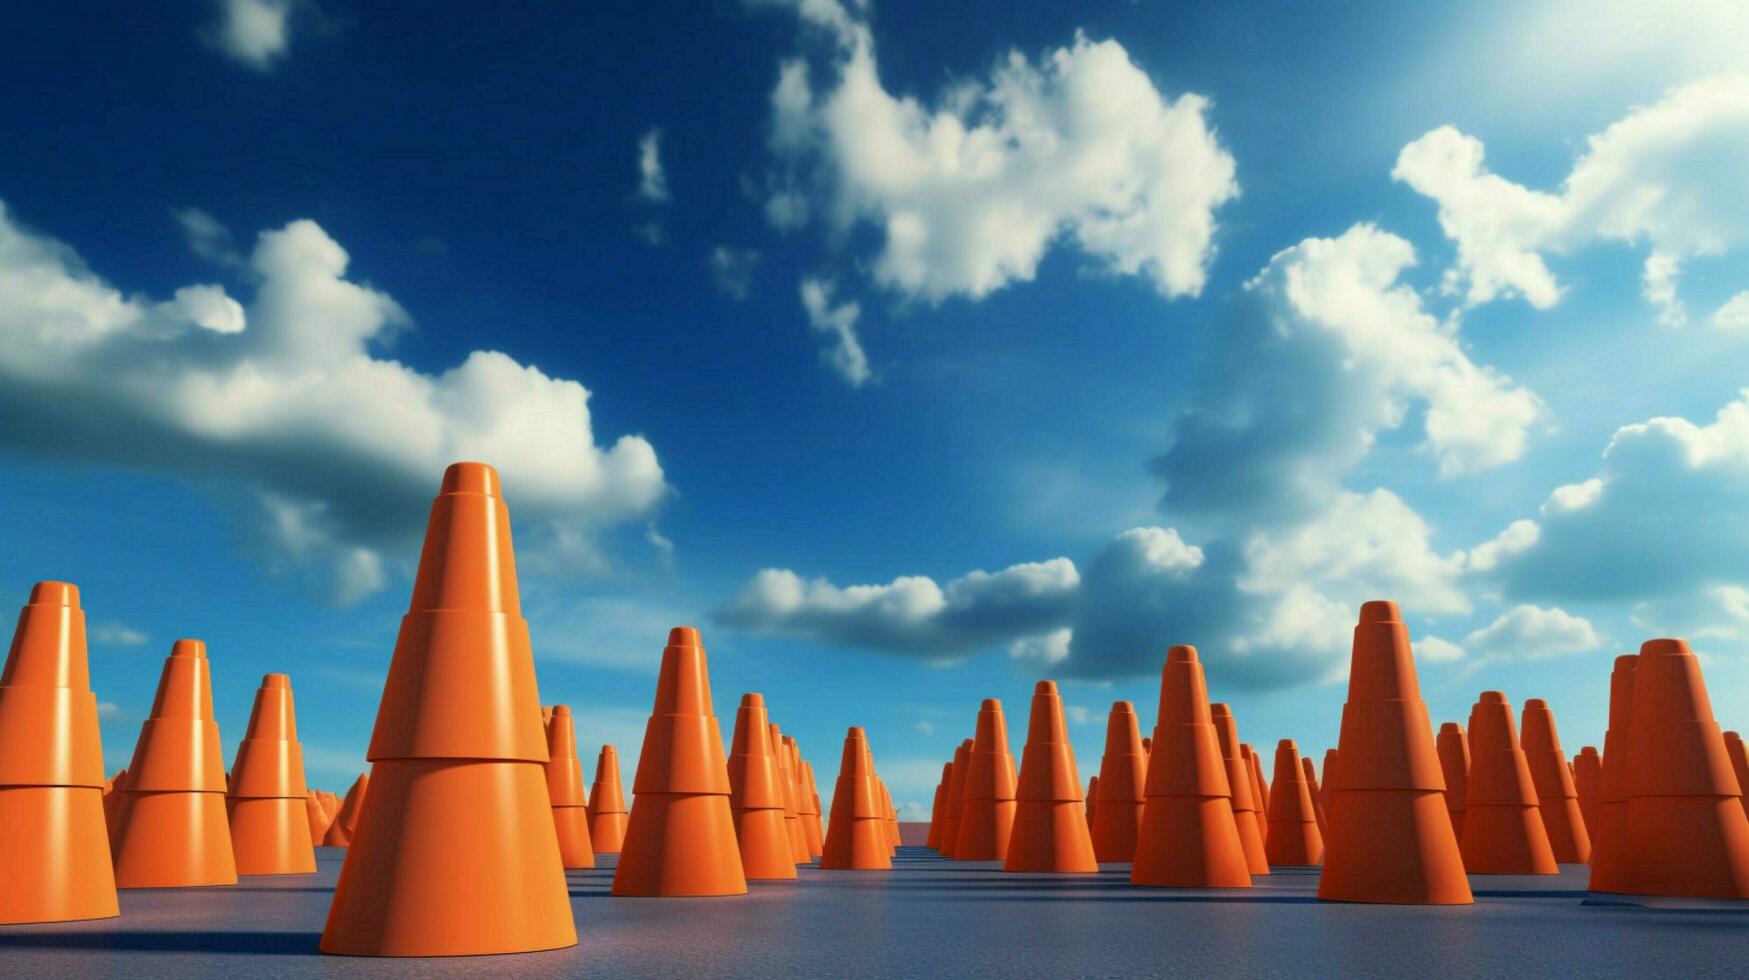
(932, 918)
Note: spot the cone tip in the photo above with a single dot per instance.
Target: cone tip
(1379, 611)
(1123, 708)
(1588, 750)
(1492, 697)
(1535, 704)
(609, 750)
(276, 681)
(1288, 744)
(1045, 687)
(752, 699)
(684, 636)
(856, 732)
(561, 711)
(990, 704)
(471, 478)
(1451, 727)
(1181, 654)
(1220, 708)
(55, 594)
(1664, 647)
(789, 740)
(188, 648)
(1626, 661)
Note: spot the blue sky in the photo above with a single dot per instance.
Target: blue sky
(913, 355)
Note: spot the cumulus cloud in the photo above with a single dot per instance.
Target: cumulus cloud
(1734, 314)
(1532, 633)
(253, 33)
(118, 635)
(327, 451)
(732, 269)
(652, 179)
(1666, 177)
(968, 192)
(1432, 649)
(1046, 648)
(843, 352)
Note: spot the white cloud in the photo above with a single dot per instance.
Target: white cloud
(1433, 650)
(331, 452)
(1531, 633)
(1571, 497)
(118, 634)
(1045, 648)
(732, 269)
(1666, 175)
(1734, 314)
(208, 237)
(253, 33)
(970, 192)
(652, 179)
(1518, 536)
(108, 711)
(843, 354)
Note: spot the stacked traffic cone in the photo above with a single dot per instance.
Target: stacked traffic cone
(892, 818)
(856, 836)
(1454, 764)
(936, 809)
(112, 803)
(1259, 785)
(268, 799)
(1503, 830)
(171, 829)
(1325, 790)
(680, 839)
(1092, 802)
(565, 790)
(792, 818)
(807, 801)
(955, 802)
(345, 822)
(1390, 835)
(1248, 815)
(1294, 838)
(454, 852)
(607, 804)
(1188, 837)
(1122, 773)
(1612, 868)
(1050, 827)
(1686, 828)
(317, 814)
(1587, 775)
(1557, 798)
(756, 796)
(987, 812)
(1311, 777)
(54, 848)
(1739, 765)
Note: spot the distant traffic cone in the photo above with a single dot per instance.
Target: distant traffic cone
(792, 818)
(1123, 772)
(607, 804)
(268, 799)
(1739, 765)
(1503, 830)
(1248, 815)
(1148, 744)
(171, 830)
(1091, 803)
(1294, 838)
(680, 839)
(856, 835)
(1587, 774)
(112, 804)
(454, 852)
(54, 848)
(1050, 827)
(987, 813)
(808, 802)
(1612, 861)
(1311, 777)
(565, 790)
(814, 794)
(1686, 826)
(1390, 835)
(1325, 790)
(892, 819)
(804, 800)
(1259, 785)
(936, 809)
(1188, 836)
(1454, 764)
(756, 796)
(1557, 798)
(956, 795)
(346, 820)
(317, 815)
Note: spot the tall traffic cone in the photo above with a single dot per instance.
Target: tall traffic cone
(1188, 837)
(1050, 827)
(268, 798)
(565, 790)
(1311, 777)
(933, 842)
(171, 829)
(607, 804)
(1123, 771)
(680, 839)
(956, 795)
(856, 836)
(1390, 835)
(808, 803)
(1686, 826)
(1248, 815)
(1454, 764)
(1557, 798)
(346, 820)
(317, 814)
(54, 848)
(1587, 774)
(756, 796)
(455, 852)
(1294, 838)
(1503, 830)
(1739, 765)
(987, 813)
(1612, 861)
(792, 818)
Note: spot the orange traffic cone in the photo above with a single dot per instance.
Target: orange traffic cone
(607, 804)
(54, 848)
(268, 799)
(856, 836)
(171, 829)
(792, 818)
(112, 804)
(565, 790)
(756, 796)
(1587, 774)
(1294, 838)
(1390, 835)
(1247, 814)
(1260, 786)
(1122, 773)
(1324, 788)
(1311, 777)
(1557, 798)
(987, 816)
(1454, 764)
(1148, 744)
(346, 820)
(808, 801)
(680, 839)
(1188, 836)
(1503, 830)
(454, 852)
(1092, 802)
(804, 801)
(933, 842)
(1739, 765)
(1050, 828)
(1612, 862)
(1686, 827)
(891, 817)
(956, 795)
(317, 815)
